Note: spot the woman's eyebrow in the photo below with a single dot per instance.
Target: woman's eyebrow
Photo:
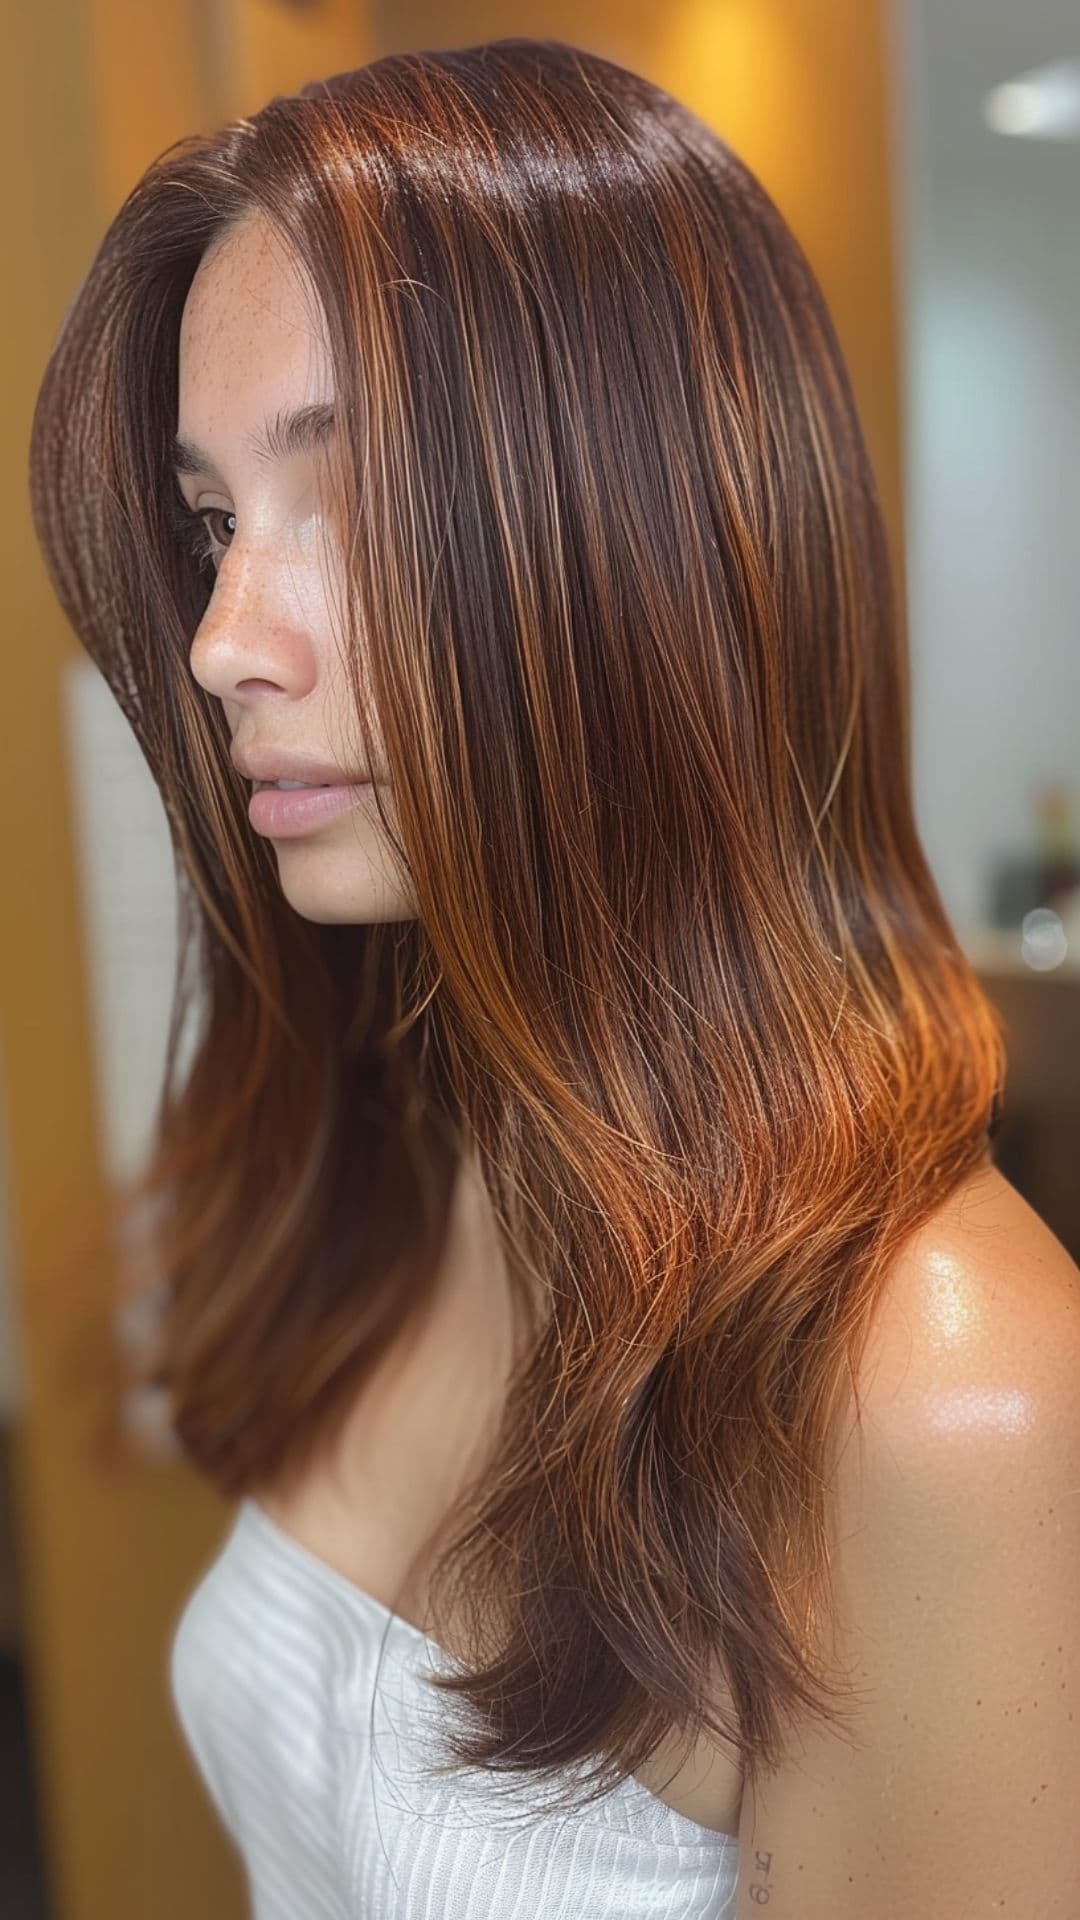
(291, 430)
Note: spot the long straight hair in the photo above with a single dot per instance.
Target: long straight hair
(680, 977)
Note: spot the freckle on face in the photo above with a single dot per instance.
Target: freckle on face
(249, 350)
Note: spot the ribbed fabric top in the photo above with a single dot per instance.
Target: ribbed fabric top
(304, 1703)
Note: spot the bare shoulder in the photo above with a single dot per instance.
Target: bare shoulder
(979, 1322)
(986, 1224)
(955, 1562)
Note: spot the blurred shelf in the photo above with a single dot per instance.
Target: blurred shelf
(994, 951)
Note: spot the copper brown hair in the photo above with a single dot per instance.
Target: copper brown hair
(680, 976)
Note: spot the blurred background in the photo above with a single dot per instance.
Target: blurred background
(927, 154)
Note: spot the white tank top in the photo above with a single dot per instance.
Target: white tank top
(303, 1701)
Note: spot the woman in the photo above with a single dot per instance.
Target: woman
(583, 1138)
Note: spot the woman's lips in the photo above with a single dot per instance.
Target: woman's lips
(284, 815)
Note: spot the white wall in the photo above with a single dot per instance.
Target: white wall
(128, 901)
(992, 326)
(994, 525)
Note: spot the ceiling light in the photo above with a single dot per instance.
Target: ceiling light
(1041, 105)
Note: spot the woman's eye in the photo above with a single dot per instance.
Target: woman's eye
(208, 538)
(206, 532)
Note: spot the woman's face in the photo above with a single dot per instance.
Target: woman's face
(250, 352)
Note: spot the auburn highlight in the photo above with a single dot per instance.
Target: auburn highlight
(681, 978)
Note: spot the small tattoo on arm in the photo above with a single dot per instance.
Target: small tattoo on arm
(760, 1890)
